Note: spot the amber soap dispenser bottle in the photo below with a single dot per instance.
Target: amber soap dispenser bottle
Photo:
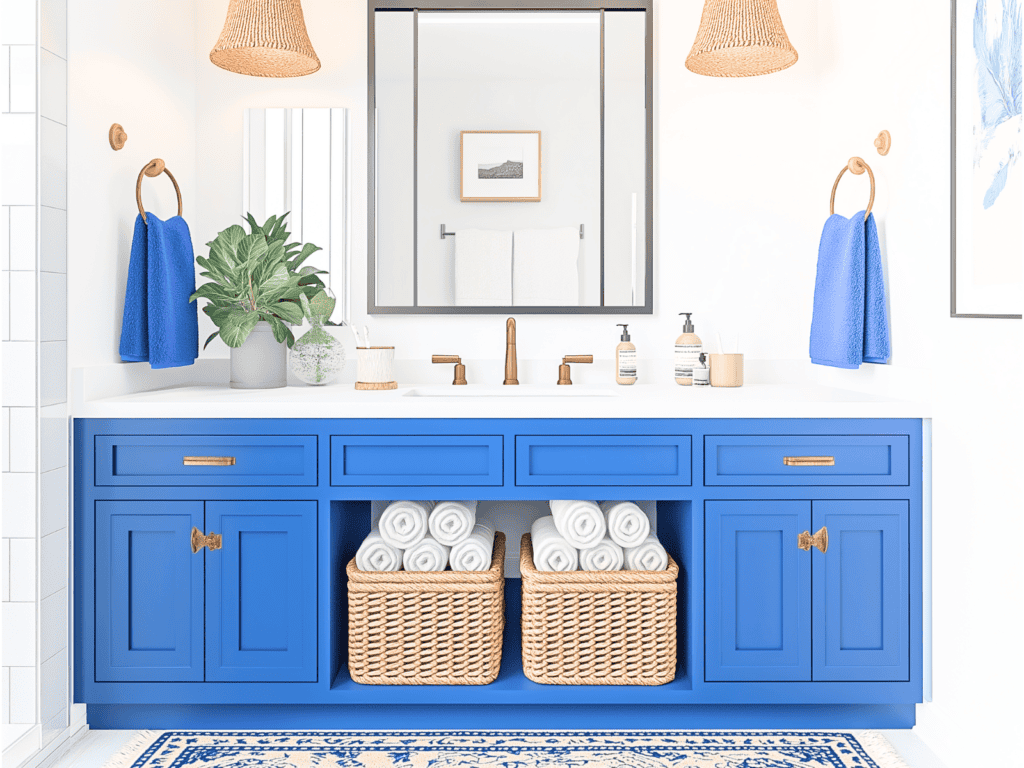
(688, 349)
(625, 358)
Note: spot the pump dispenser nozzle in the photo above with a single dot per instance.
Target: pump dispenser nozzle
(687, 325)
(625, 331)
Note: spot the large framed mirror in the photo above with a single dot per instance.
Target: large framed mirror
(510, 156)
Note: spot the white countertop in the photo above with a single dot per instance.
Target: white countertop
(757, 399)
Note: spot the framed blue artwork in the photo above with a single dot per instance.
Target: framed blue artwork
(987, 238)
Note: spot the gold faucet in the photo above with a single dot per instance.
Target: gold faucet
(511, 372)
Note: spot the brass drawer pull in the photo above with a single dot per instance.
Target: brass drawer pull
(210, 540)
(820, 540)
(809, 461)
(208, 461)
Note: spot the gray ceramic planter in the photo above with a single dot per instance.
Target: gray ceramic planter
(261, 362)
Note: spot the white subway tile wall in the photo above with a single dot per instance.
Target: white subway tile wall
(36, 524)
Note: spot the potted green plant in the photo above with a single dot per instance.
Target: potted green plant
(257, 282)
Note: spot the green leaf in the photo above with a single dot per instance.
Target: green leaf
(287, 311)
(215, 293)
(236, 326)
(319, 307)
(252, 223)
(223, 249)
(251, 249)
(281, 331)
(273, 285)
(213, 336)
(307, 250)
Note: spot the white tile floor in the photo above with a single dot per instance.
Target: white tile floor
(95, 747)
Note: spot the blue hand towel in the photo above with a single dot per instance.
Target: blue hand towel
(849, 326)
(160, 325)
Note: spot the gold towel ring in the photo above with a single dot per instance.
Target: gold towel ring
(856, 166)
(152, 169)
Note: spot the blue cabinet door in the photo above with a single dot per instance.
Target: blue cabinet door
(757, 591)
(261, 591)
(861, 591)
(149, 591)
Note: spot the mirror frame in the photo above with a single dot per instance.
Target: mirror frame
(647, 308)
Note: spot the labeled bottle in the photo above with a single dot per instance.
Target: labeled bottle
(702, 372)
(688, 349)
(625, 358)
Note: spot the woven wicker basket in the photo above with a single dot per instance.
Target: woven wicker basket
(427, 628)
(598, 627)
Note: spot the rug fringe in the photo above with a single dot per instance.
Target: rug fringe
(131, 751)
(881, 749)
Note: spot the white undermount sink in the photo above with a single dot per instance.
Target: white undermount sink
(483, 390)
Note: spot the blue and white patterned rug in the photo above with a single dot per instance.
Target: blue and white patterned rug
(507, 749)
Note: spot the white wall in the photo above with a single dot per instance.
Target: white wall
(136, 63)
(742, 177)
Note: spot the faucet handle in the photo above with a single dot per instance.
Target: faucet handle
(460, 369)
(563, 369)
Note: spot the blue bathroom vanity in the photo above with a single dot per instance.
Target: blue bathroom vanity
(254, 633)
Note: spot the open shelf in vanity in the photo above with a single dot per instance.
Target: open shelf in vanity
(261, 632)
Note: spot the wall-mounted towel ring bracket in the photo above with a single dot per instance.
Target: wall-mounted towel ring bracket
(153, 169)
(445, 233)
(117, 137)
(856, 166)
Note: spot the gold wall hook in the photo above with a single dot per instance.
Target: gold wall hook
(211, 540)
(820, 540)
(883, 142)
(117, 137)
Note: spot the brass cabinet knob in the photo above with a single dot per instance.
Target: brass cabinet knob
(820, 540)
(211, 540)
(460, 369)
(563, 369)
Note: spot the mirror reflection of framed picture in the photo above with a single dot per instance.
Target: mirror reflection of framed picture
(500, 167)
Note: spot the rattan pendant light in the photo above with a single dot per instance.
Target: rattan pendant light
(265, 38)
(740, 38)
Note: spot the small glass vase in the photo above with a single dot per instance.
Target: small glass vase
(317, 358)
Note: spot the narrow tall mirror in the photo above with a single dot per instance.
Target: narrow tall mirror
(510, 156)
(297, 160)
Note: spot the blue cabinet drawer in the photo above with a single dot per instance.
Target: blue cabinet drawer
(416, 460)
(603, 460)
(225, 460)
(807, 460)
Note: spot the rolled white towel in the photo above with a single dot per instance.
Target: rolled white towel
(375, 554)
(606, 555)
(628, 526)
(581, 523)
(404, 522)
(475, 551)
(452, 521)
(551, 552)
(648, 556)
(426, 555)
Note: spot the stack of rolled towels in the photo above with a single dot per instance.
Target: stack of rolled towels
(592, 536)
(427, 536)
